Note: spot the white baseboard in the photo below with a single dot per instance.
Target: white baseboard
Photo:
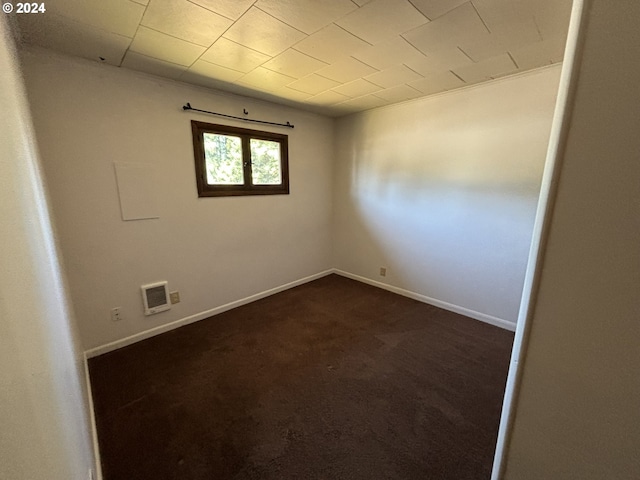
(94, 430)
(498, 322)
(109, 347)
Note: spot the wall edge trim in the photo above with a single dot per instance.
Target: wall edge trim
(483, 317)
(560, 127)
(94, 428)
(152, 332)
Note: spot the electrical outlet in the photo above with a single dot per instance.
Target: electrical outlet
(116, 314)
(175, 297)
(383, 271)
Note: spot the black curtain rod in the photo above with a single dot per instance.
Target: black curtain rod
(189, 107)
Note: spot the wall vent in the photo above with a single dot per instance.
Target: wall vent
(155, 297)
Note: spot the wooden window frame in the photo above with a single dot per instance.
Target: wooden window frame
(206, 190)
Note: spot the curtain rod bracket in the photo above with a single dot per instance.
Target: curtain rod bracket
(188, 106)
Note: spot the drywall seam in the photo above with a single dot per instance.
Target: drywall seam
(94, 428)
(498, 322)
(109, 347)
(555, 153)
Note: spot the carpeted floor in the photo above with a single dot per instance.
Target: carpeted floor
(334, 379)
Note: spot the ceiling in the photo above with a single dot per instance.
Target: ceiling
(330, 56)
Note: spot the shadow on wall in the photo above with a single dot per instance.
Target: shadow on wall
(459, 151)
(445, 190)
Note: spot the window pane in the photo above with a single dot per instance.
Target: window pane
(265, 162)
(223, 159)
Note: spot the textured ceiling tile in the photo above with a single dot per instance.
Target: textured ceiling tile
(115, 16)
(448, 31)
(260, 31)
(265, 79)
(327, 98)
(552, 16)
(185, 20)
(542, 53)
(78, 39)
(294, 63)
(217, 72)
(313, 84)
(399, 93)
(387, 54)
(308, 16)
(232, 9)
(330, 44)
(437, 83)
(382, 19)
(510, 25)
(164, 47)
(135, 61)
(268, 48)
(357, 88)
(498, 13)
(431, 89)
(343, 109)
(501, 42)
(291, 94)
(346, 70)
(232, 55)
(433, 9)
(393, 76)
(487, 69)
(365, 102)
(439, 61)
(205, 81)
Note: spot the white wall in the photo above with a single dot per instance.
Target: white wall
(213, 250)
(443, 191)
(578, 411)
(43, 409)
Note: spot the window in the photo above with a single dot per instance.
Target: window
(238, 161)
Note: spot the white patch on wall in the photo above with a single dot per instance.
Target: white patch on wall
(137, 189)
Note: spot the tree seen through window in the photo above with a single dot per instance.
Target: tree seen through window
(237, 161)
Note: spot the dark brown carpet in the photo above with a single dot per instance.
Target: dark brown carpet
(334, 379)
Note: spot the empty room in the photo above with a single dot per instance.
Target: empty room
(306, 239)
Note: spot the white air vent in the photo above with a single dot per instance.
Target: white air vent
(155, 297)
